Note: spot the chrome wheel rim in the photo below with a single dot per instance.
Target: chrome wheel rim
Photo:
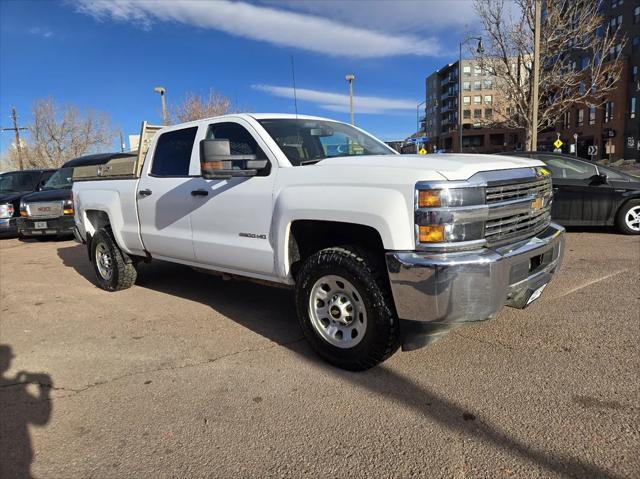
(632, 218)
(104, 261)
(337, 311)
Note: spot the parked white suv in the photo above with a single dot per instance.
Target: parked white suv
(382, 249)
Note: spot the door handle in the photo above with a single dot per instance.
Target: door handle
(145, 192)
(199, 193)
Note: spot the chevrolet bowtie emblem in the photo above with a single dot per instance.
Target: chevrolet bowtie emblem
(537, 204)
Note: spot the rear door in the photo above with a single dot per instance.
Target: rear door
(577, 199)
(164, 196)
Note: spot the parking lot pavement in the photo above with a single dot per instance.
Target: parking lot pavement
(187, 375)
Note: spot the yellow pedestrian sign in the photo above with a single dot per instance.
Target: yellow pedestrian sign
(422, 151)
(558, 143)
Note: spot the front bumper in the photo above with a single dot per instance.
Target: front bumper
(62, 225)
(8, 226)
(437, 292)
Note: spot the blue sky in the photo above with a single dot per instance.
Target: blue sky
(109, 55)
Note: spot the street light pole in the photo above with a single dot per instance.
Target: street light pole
(480, 49)
(350, 77)
(162, 91)
(536, 79)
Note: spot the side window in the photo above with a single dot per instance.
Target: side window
(240, 140)
(173, 153)
(569, 169)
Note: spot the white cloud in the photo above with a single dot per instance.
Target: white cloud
(339, 102)
(41, 32)
(282, 27)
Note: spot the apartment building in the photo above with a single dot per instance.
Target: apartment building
(477, 91)
(614, 127)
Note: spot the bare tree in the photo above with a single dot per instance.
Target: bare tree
(196, 107)
(579, 60)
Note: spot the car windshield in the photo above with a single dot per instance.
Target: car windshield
(309, 141)
(61, 179)
(17, 181)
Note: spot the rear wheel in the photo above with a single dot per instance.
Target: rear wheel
(628, 218)
(345, 310)
(114, 269)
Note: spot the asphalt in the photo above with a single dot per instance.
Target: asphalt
(187, 375)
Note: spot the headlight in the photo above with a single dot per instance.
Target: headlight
(67, 207)
(449, 215)
(6, 210)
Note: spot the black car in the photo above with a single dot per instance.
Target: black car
(588, 194)
(49, 212)
(13, 186)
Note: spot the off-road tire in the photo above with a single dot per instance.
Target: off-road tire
(621, 225)
(381, 337)
(123, 268)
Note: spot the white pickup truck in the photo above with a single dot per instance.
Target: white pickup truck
(382, 249)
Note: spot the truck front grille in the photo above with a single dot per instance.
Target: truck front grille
(523, 224)
(496, 194)
(52, 209)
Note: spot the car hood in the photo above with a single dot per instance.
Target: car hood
(48, 195)
(11, 197)
(452, 166)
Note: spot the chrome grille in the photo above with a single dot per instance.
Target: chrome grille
(51, 209)
(534, 199)
(538, 187)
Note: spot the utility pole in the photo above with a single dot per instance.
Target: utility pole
(350, 77)
(16, 129)
(536, 78)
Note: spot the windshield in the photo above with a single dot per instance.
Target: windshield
(61, 179)
(309, 141)
(17, 181)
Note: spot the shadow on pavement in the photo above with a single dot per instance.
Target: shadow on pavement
(270, 312)
(19, 408)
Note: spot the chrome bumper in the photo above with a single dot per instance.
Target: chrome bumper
(436, 292)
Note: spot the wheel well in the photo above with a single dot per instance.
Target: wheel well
(97, 219)
(310, 236)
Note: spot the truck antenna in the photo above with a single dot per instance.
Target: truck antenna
(295, 96)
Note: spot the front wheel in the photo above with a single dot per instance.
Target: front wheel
(345, 310)
(114, 269)
(628, 218)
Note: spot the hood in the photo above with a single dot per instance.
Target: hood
(48, 195)
(453, 166)
(11, 197)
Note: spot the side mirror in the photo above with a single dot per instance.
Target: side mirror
(217, 162)
(599, 179)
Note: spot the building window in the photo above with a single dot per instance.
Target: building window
(632, 109)
(566, 120)
(488, 99)
(477, 99)
(636, 15)
(466, 85)
(614, 51)
(634, 73)
(635, 45)
(488, 84)
(616, 3)
(466, 71)
(488, 113)
(584, 63)
(466, 100)
(477, 70)
(477, 85)
(592, 115)
(580, 118)
(477, 113)
(615, 22)
(466, 114)
(608, 111)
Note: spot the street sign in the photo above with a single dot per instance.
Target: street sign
(592, 150)
(609, 133)
(558, 143)
(422, 151)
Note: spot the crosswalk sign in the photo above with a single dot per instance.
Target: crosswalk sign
(558, 143)
(422, 151)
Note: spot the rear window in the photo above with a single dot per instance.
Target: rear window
(173, 153)
(18, 181)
